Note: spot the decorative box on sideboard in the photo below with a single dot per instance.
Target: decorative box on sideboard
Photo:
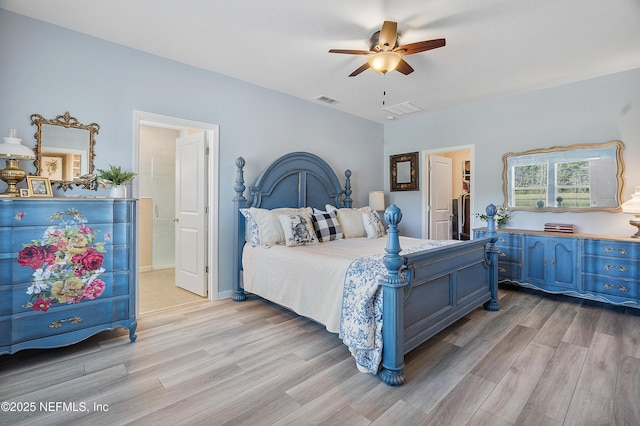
(596, 267)
(67, 270)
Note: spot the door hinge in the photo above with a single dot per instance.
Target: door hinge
(206, 269)
(206, 151)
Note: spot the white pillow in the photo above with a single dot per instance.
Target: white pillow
(373, 224)
(298, 229)
(269, 227)
(351, 221)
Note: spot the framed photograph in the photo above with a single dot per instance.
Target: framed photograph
(24, 192)
(39, 186)
(404, 171)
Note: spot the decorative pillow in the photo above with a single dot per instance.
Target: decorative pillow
(327, 226)
(251, 233)
(372, 224)
(298, 229)
(351, 222)
(269, 228)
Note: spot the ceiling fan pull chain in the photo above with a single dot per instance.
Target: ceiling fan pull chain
(384, 89)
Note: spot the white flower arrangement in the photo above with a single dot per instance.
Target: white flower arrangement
(501, 217)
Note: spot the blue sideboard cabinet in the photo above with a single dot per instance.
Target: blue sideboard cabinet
(593, 267)
(67, 270)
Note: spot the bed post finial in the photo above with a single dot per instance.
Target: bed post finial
(492, 253)
(393, 284)
(239, 202)
(347, 189)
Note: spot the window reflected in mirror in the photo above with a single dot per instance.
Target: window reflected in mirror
(573, 178)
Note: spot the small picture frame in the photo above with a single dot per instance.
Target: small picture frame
(24, 192)
(39, 186)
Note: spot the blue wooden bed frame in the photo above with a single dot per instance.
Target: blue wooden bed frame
(423, 292)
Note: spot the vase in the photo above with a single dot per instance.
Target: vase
(118, 191)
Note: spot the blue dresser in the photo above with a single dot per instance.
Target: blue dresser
(593, 267)
(67, 270)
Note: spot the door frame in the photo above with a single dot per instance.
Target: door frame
(424, 179)
(213, 143)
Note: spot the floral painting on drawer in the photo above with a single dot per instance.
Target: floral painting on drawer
(67, 262)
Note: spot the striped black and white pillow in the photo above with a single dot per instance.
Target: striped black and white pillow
(326, 226)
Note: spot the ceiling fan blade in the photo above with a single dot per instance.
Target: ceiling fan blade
(388, 35)
(362, 67)
(403, 67)
(351, 52)
(420, 46)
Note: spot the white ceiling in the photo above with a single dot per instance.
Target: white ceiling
(494, 47)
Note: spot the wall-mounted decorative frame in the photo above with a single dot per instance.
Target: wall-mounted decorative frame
(403, 171)
(39, 186)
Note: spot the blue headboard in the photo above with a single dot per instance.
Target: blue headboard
(297, 179)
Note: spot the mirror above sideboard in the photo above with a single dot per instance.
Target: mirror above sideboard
(576, 178)
(65, 150)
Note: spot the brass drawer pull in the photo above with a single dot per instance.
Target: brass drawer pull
(60, 323)
(620, 250)
(502, 240)
(502, 254)
(620, 267)
(500, 269)
(620, 287)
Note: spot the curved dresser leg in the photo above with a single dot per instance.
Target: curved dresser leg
(132, 331)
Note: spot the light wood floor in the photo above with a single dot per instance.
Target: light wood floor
(158, 291)
(540, 360)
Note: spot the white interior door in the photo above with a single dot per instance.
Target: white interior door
(440, 190)
(190, 216)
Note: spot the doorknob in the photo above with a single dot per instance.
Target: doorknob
(175, 219)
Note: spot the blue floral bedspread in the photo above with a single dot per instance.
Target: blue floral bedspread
(361, 318)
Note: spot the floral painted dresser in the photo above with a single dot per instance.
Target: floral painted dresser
(67, 270)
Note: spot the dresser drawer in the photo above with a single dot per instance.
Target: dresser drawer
(6, 299)
(508, 271)
(613, 267)
(610, 285)
(5, 332)
(33, 325)
(22, 300)
(509, 254)
(508, 240)
(610, 248)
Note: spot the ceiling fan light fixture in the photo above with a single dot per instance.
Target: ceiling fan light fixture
(385, 61)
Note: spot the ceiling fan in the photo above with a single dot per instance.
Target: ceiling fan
(384, 53)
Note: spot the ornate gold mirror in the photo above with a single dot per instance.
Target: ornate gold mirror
(577, 178)
(65, 150)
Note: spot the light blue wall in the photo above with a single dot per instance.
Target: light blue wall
(590, 111)
(49, 70)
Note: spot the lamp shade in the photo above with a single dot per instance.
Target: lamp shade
(11, 148)
(633, 205)
(385, 61)
(376, 200)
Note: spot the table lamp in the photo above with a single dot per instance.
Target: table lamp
(633, 207)
(376, 201)
(12, 151)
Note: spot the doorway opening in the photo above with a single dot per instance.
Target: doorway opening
(447, 199)
(158, 189)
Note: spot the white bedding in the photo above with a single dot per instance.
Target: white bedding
(309, 279)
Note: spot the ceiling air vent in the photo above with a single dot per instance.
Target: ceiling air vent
(402, 109)
(326, 100)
